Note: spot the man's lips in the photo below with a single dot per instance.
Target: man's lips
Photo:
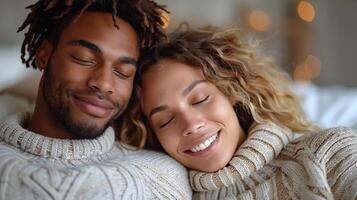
(94, 106)
(95, 101)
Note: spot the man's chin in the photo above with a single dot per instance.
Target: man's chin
(84, 129)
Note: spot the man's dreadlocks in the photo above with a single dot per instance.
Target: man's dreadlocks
(48, 18)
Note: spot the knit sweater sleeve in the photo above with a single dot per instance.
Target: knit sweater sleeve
(162, 175)
(336, 150)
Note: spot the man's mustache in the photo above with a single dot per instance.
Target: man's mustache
(99, 95)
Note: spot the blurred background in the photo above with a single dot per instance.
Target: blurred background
(315, 41)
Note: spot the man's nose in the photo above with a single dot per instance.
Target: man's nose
(102, 80)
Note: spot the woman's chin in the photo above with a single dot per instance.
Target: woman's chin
(210, 167)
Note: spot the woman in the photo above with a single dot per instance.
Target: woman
(222, 109)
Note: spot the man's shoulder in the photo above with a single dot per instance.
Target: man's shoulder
(143, 156)
(8, 150)
(148, 161)
(9, 155)
(166, 176)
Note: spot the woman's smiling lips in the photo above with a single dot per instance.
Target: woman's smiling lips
(94, 106)
(205, 146)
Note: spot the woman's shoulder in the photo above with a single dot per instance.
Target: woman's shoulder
(326, 137)
(325, 143)
(324, 159)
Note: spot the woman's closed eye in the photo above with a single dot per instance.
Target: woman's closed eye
(201, 100)
(166, 123)
(204, 99)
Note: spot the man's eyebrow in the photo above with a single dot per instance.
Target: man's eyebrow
(95, 48)
(128, 60)
(86, 44)
(191, 86)
(157, 109)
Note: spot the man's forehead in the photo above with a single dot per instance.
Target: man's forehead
(98, 26)
(92, 19)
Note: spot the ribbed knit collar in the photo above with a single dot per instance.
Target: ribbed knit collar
(12, 132)
(264, 143)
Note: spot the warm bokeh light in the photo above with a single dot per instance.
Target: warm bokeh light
(306, 11)
(310, 69)
(313, 65)
(165, 18)
(259, 20)
(301, 74)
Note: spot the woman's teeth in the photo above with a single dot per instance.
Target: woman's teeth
(204, 144)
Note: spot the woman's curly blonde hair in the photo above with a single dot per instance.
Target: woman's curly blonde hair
(236, 67)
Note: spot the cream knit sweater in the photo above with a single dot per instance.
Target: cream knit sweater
(322, 165)
(36, 167)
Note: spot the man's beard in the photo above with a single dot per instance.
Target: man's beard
(60, 110)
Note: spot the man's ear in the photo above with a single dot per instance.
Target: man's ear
(43, 54)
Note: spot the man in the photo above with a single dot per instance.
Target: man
(88, 51)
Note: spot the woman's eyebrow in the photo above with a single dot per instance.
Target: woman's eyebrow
(157, 109)
(187, 90)
(191, 86)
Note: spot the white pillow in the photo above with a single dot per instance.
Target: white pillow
(328, 106)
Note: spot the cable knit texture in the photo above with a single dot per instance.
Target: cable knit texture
(268, 165)
(33, 166)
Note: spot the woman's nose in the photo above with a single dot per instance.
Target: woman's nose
(192, 123)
